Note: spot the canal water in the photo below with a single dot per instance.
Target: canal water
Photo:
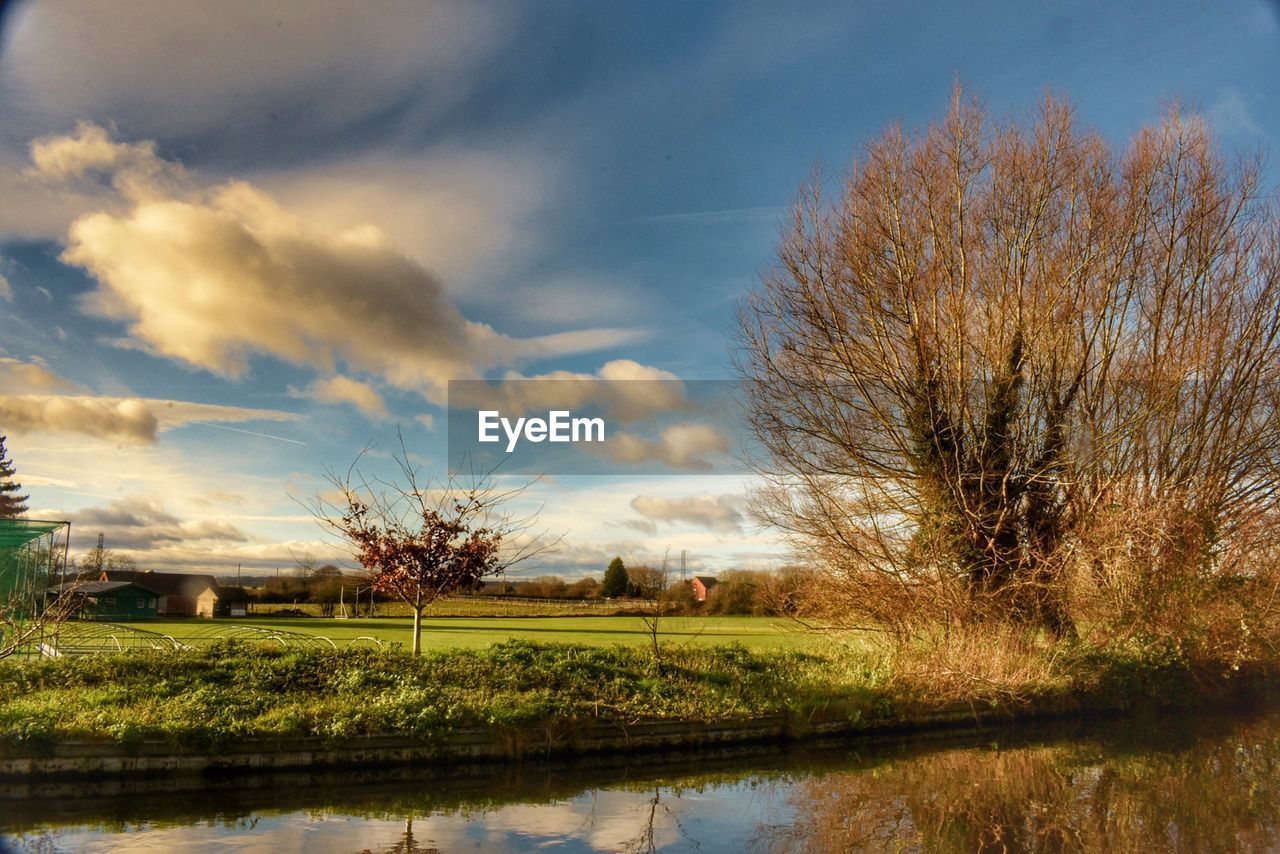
(1156, 783)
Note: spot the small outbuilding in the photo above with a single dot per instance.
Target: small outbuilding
(223, 601)
(111, 600)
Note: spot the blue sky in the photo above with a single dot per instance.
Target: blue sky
(241, 241)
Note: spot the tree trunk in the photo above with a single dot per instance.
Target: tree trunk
(417, 629)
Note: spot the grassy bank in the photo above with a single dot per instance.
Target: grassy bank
(198, 700)
(230, 691)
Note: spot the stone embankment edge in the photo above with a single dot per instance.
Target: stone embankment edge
(489, 744)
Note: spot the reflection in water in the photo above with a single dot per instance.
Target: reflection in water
(1210, 795)
(1127, 785)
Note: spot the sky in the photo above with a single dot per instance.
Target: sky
(240, 242)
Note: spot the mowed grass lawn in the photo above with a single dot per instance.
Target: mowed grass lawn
(473, 632)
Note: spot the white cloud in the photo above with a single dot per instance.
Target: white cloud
(139, 523)
(171, 414)
(108, 418)
(1231, 114)
(187, 68)
(35, 210)
(214, 278)
(6, 289)
(643, 526)
(128, 419)
(340, 389)
(682, 446)
(461, 213)
(19, 377)
(197, 478)
(91, 155)
(583, 298)
(38, 400)
(84, 170)
(292, 83)
(721, 513)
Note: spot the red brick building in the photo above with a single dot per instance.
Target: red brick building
(702, 585)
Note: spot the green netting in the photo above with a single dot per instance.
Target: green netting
(31, 556)
(16, 533)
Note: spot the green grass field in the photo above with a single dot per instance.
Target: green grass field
(475, 606)
(473, 632)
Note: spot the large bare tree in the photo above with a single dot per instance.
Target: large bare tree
(1005, 354)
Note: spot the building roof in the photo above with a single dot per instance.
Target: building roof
(167, 583)
(231, 593)
(707, 580)
(98, 588)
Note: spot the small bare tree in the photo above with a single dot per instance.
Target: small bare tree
(422, 539)
(97, 559)
(21, 628)
(32, 609)
(655, 588)
(1000, 341)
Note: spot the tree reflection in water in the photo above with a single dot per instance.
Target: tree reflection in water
(1207, 783)
(407, 844)
(1212, 794)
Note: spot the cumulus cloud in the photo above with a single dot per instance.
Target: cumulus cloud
(212, 278)
(91, 155)
(340, 389)
(462, 213)
(85, 170)
(720, 514)
(287, 83)
(138, 523)
(6, 289)
(680, 446)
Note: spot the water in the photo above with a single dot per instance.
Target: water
(1209, 783)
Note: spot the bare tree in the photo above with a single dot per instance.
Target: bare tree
(304, 567)
(24, 623)
(1001, 341)
(420, 539)
(655, 588)
(98, 559)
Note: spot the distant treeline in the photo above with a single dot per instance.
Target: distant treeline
(735, 591)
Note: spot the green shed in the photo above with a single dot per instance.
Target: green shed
(112, 600)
